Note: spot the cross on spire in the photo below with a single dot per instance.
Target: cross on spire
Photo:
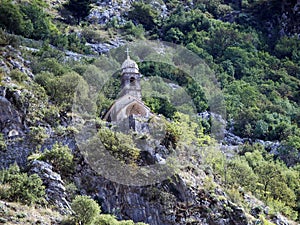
(127, 51)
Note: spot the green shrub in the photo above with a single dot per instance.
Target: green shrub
(144, 14)
(11, 18)
(106, 220)
(133, 30)
(17, 75)
(265, 221)
(161, 106)
(92, 35)
(62, 89)
(71, 190)
(37, 21)
(26, 18)
(235, 195)
(277, 206)
(79, 9)
(120, 145)
(2, 143)
(86, 210)
(21, 187)
(8, 39)
(50, 65)
(38, 135)
(65, 88)
(238, 172)
(1, 74)
(60, 157)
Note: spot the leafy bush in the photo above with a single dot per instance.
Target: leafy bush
(50, 65)
(120, 145)
(39, 25)
(92, 35)
(145, 14)
(289, 150)
(136, 31)
(86, 210)
(161, 106)
(288, 47)
(62, 89)
(11, 19)
(60, 157)
(38, 135)
(71, 191)
(78, 8)
(106, 219)
(238, 173)
(17, 75)
(77, 44)
(178, 76)
(21, 187)
(8, 39)
(2, 143)
(28, 19)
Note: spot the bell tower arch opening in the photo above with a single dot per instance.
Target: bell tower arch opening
(132, 81)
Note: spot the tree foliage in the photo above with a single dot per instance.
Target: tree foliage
(26, 18)
(86, 210)
(78, 8)
(60, 157)
(144, 14)
(22, 187)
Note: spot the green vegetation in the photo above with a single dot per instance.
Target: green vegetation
(60, 157)
(2, 143)
(120, 145)
(18, 186)
(144, 14)
(257, 172)
(27, 19)
(78, 8)
(87, 212)
(8, 39)
(38, 135)
(258, 69)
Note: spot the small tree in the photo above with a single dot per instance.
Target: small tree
(21, 187)
(78, 8)
(60, 157)
(144, 14)
(86, 210)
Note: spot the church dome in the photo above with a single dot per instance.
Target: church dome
(130, 66)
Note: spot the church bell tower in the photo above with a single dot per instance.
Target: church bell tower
(131, 78)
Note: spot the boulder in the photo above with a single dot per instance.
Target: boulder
(55, 189)
(10, 118)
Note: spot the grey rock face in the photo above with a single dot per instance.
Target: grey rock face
(14, 60)
(171, 202)
(55, 189)
(102, 48)
(10, 118)
(280, 220)
(104, 11)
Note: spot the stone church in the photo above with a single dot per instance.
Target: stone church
(128, 110)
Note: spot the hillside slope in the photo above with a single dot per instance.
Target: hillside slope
(49, 49)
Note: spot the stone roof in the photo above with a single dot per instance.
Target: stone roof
(131, 65)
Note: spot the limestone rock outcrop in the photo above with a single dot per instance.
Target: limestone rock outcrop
(55, 189)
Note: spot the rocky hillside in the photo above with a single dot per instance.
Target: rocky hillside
(50, 51)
